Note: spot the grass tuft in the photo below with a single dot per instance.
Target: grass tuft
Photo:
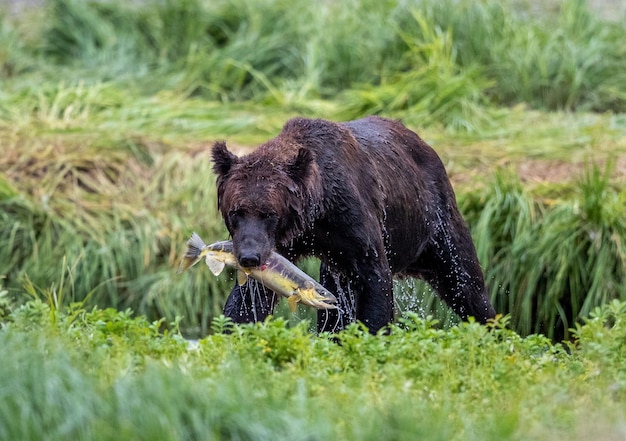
(550, 262)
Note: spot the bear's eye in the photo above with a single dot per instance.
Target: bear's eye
(235, 213)
(234, 217)
(269, 215)
(270, 219)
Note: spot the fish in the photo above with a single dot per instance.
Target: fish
(277, 274)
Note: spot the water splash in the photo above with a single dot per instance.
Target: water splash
(261, 300)
(418, 297)
(346, 304)
(411, 295)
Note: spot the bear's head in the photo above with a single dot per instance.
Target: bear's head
(266, 198)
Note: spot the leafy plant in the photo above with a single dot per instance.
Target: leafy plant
(102, 374)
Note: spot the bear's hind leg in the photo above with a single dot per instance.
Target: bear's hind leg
(375, 302)
(450, 265)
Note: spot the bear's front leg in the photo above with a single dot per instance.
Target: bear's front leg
(250, 302)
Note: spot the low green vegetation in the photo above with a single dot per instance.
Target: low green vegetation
(107, 113)
(102, 374)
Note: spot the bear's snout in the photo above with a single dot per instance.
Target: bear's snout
(252, 246)
(249, 259)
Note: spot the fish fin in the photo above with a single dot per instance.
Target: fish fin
(193, 253)
(186, 263)
(215, 266)
(292, 301)
(195, 245)
(242, 277)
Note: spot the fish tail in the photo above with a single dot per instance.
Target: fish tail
(193, 253)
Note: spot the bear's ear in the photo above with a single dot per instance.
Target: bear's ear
(299, 169)
(223, 160)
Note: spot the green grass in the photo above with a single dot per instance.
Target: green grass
(551, 259)
(428, 56)
(109, 219)
(102, 374)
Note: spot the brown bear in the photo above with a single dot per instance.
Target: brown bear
(369, 198)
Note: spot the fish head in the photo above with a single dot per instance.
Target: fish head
(312, 297)
(314, 290)
(260, 197)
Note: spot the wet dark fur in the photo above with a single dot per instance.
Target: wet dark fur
(369, 198)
